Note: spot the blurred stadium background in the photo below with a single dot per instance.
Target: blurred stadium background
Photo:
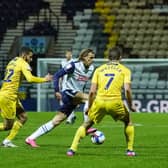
(50, 27)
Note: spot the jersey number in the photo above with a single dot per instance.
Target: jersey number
(111, 77)
(8, 75)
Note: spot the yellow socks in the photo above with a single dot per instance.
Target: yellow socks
(129, 133)
(2, 127)
(15, 129)
(80, 133)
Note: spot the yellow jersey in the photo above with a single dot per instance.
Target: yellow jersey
(110, 78)
(15, 72)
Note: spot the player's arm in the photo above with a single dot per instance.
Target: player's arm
(128, 91)
(68, 69)
(93, 88)
(31, 78)
(128, 95)
(92, 93)
(61, 79)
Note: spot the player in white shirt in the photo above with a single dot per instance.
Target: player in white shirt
(78, 73)
(68, 54)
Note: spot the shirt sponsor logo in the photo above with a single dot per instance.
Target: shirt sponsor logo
(82, 78)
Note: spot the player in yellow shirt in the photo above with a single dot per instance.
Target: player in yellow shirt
(105, 99)
(10, 106)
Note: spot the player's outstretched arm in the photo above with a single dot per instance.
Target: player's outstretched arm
(31, 78)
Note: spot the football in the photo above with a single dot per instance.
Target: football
(98, 137)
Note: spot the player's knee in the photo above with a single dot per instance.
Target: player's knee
(126, 121)
(22, 117)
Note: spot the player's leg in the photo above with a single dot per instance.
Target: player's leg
(119, 112)
(65, 110)
(8, 112)
(85, 109)
(78, 98)
(6, 107)
(71, 118)
(83, 98)
(80, 133)
(8, 123)
(22, 118)
(129, 133)
(45, 128)
(95, 116)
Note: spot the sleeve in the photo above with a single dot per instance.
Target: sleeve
(68, 69)
(26, 70)
(127, 76)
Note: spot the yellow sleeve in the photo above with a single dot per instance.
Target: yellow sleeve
(26, 70)
(127, 76)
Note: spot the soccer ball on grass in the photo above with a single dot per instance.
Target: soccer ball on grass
(98, 137)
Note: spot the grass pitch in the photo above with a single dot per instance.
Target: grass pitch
(151, 145)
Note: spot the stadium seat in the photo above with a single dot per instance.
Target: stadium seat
(150, 96)
(140, 96)
(139, 69)
(145, 76)
(143, 83)
(158, 96)
(135, 83)
(152, 53)
(161, 54)
(152, 83)
(143, 53)
(161, 84)
(154, 76)
(77, 19)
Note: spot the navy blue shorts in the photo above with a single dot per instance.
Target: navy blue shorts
(67, 99)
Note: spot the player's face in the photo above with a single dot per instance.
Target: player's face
(29, 57)
(68, 55)
(88, 60)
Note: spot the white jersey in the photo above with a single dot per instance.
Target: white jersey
(77, 80)
(64, 62)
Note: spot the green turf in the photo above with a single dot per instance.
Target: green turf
(151, 145)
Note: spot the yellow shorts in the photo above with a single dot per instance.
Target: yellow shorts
(115, 108)
(8, 107)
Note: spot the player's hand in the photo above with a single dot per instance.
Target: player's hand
(49, 77)
(58, 95)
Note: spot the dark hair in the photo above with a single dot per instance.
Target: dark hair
(115, 53)
(84, 53)
(25, 50)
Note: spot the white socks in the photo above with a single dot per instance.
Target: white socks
(42, 130)
(85, 116)
(70, 117)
